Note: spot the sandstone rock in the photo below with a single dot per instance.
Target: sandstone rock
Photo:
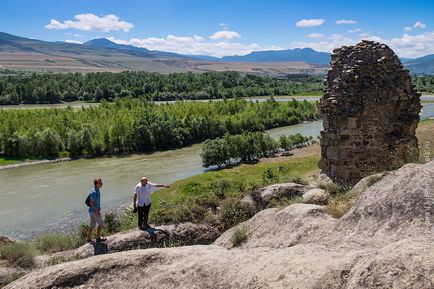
(163, 236)
(9, 274)
(274, 228)
(316, 196)
(379, 243)
(321, 180)
(366, 182)
(370, 112)
(262, 197)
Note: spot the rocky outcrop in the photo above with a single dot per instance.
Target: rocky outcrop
(370, 113)
(379, 243)
(164, 236)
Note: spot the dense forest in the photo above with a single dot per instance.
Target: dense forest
(57, 87)
(132, 125)
(233, 149)
(424, 84)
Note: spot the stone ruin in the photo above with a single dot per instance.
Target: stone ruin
(370, 112)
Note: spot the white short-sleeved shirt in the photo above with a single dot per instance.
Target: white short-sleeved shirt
(144, 193)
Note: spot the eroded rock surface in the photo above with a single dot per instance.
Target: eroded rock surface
(370, 113)
(379, 243)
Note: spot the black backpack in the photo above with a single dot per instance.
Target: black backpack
(87, 202)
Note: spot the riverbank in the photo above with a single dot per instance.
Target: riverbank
(12, 164)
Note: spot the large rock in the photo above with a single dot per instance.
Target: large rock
(370, 111)
(316, 196)
(163, 236)
(260, 198)
(380, 243)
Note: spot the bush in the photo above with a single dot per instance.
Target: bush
(239, 236)
(297, 179)
(18, 254)
(234, 212)
(333, 188)
(51, 243)
(269, 176)
(220, 188)
(173, 213)
(111, 223)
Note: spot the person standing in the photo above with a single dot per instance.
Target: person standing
(142, 201)
(95, 212)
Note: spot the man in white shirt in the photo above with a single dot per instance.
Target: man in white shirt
(142, 201)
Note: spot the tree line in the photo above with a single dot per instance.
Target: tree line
(424, 83)
(233, 149)
(66, 87)
(132, 125)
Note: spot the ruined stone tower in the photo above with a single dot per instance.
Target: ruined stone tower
(370, 111)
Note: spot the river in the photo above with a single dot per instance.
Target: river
(50, 197)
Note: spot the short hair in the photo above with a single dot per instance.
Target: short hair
(143, 178)
(97, 181)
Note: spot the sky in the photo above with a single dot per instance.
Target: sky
(220, 28)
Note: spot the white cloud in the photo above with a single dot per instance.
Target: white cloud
(73, 41)
(310, 22)
(357, 30)
(316, 35)
(92, 22)
(408, 28)
(344, 21)
(225, 35)
(194, 45)
(419, 25)
(405, 46)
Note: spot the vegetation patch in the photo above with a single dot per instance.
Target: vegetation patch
(18, 254)
(240, 236)
(341, 203)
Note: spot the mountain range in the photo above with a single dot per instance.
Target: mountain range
(101, 54)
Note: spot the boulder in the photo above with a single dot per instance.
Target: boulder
(163, 236)
(260, 198)
(316, 196)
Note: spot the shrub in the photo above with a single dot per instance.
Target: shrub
(297, 179)
(173, 213)
(51, 243)
(18, 254)
(111, 223)
(333, 188)
(239, 236)
(234, 212)
(269, 176)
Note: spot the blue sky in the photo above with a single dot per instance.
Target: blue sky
(226, 27)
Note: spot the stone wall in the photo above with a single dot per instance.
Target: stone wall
(370, 111)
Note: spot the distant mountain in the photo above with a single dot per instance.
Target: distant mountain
(421, 65)
(307, 55)
(19, 53)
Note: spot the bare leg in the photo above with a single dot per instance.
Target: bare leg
(98, 232)
(89, 233)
